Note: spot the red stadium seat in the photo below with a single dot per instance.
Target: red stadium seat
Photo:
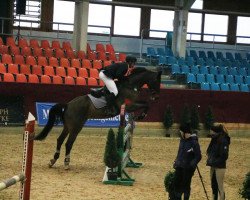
(64, 62)
(10, 41)
(22, 42)
(7, 59)
(19, 59)
(69, 80)
(80, 81)
(92, 81)
(49, 70)
(4, 49)
(71, 72)
(30, 60)
(21, 78)
(97, 64)
(82, 72)
(45, 44)
(33, 78)
(7, 77)
(34, 43)
(37, 69)
(60, 71)
(13, 68)
(41, 60)
(75, 62)
(45, 79)
(55, 44)
(86, 63)
(81, 55)
(25, 69)
(57, 79)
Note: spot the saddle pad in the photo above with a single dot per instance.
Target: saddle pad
(98, 102)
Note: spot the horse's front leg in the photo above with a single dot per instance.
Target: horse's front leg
(139, 105)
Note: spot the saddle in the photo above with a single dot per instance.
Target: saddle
(99, 92)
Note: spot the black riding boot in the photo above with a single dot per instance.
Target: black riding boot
(111, 104)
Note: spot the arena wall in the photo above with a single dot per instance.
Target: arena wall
(228, 107)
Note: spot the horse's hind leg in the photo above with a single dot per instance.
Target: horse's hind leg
(60, 141)
(71, 139)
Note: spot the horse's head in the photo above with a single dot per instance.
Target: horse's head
(141, 76)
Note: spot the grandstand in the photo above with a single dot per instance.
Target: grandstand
(40, 53)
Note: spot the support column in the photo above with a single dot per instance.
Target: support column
(180, 27)
(80, 25)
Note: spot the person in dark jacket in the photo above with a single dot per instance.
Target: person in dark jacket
(117, 71)
(217, 155)
(189, 155)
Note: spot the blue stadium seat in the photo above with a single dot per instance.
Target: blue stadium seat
(194, 54)
(239, 79)
(230, 56)
(202, 54)
(209, 62)
(224, 87)
(181, 61)
(220, 78)
(200, 61)
(210, 78)
(234, 87)
(194, 69)
(238, 56)
(233, 71)
(205, 86)
(215, 86)
(242, 71)
(236, 64)
(151, 54)
(223, 70)
(161, 51)
(190, 61)
(244, 88)
(200, 78)
(204, 70)
(175, 69)
(185, 69)
(213, 70)
(162, 60)
(169, 52)
(171, 60)
(247, 80)
(230, 79)
(191, 78)
(248, 56)
(219, 63)
(210, 54)
(219, 55)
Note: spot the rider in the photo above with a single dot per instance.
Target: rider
(112, 72)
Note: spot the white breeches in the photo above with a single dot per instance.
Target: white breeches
(110, 83)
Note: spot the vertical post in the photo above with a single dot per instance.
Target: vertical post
(27, 157)
(122, 116)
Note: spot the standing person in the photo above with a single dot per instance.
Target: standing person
(189, 155)
(217, 153)
(116, 71)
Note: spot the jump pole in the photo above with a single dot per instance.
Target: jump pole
(27, 157)
(11, 181)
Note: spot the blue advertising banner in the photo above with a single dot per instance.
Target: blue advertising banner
(42, 110)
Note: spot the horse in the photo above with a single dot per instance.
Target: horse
(76, 112)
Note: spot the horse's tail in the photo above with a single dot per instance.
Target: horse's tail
(55, 111)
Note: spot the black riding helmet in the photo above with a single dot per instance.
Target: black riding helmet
(131, 59)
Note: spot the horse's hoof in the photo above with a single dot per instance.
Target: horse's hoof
(66, 167)
(52, 162)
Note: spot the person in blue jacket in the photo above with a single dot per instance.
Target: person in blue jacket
(189, 155)
(217, 155)
(116, 71)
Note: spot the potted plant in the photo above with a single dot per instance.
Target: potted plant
(209, 119)
(185, 116)
(245, 190)
(168, 119)
(168, 182)
(194, 117)
(111, 156)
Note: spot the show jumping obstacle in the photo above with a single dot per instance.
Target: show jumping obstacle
(25, 176)
(126, 161)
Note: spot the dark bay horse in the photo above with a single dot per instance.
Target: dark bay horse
(76, 112)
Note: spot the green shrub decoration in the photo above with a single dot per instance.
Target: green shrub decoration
(245, 190)
(111, 156)
(168, 117)
(168, 181)
(194, 117)
(209, 118)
